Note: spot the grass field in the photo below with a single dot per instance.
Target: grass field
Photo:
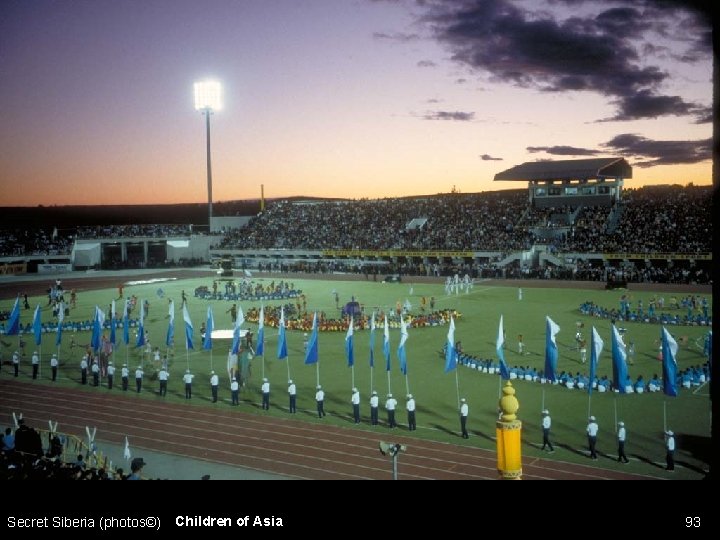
(435, 392)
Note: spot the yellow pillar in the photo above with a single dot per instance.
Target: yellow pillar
(508, 430)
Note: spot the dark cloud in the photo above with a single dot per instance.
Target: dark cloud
(645, 104)
(650, 153)
(563, 150)
(396, 36)
(488, 157)
(460, 81)
(703, 115)
(458, 116)
(433, 100)
(426, 63)
(622, 20)
(534, 50)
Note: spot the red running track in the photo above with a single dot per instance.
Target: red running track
(287, 447)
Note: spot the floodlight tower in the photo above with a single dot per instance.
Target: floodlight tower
(207, 101)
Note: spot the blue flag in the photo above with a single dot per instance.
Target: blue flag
(126, 324)
(170, 336)
(500, 351)
(372, 340)
(669, 358)
(97, 328)
(596, 347)
(551, 330)
(207, 342)
(311, 354)
(188, 328)
(282, 340)
(140, 341)
(37, 326)
(402, 357)
(349, 352)
(112, 322)
(386, 344)
(450, 352)
(12, 328)
(619, 358)
(61, 318)
(551, 349)
(239, 320)
(260, 348)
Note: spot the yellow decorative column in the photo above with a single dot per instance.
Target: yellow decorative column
(508, 430)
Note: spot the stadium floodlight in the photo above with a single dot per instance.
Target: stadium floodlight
(208, 96)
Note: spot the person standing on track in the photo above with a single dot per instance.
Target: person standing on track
(110, 374)
(464, 410)
(54, 367)
(163, 376)
(35, 364)
(125, 375)
(410, 406)
(546, 423)
(374, 405)
(621, 436)
(214, 383)
(138, 378)
(187, 379)
(592, 431)
(265, 389)
(390, 405)
(320, 400)
(292, 392)
(355, 400)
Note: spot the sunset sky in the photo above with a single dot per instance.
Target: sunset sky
(342, 98)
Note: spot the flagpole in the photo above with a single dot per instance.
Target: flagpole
(499, 386)
(211, 361)
(457, 386)
(263, 367)
(407, 385)
(352, 376)
(371, 378)
(615, 407)
(388, 373)
(40, 359)
(187, 357)
(317, 372)
(287, 360)
(542, 406)
(589, 398)
(664, 415)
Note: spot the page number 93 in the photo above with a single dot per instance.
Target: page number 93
(692, 521)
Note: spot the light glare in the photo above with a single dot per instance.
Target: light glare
(207, 95)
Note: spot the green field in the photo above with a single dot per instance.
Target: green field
(435, 392)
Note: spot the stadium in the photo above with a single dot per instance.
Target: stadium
(278, 283)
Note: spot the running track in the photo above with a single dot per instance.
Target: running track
(292, 448)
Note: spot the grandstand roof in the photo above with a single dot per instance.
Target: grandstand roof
(568, 169)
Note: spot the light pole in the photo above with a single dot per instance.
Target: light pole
(207, 100)
(392, 449)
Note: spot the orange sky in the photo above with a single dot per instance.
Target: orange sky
(331, 98)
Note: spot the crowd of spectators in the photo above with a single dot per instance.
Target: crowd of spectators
(484, 221)
(19, 242)
(23, 457)
(658, 219)
(153, 231)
